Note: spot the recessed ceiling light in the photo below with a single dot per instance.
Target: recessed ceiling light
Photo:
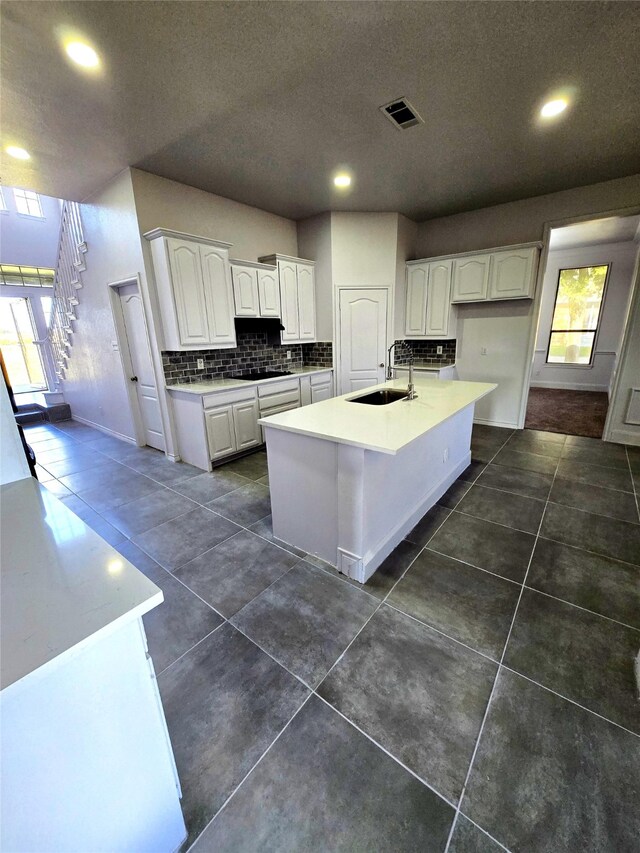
(342, 180)
(554, 107)
(82, 54)
(18, 153)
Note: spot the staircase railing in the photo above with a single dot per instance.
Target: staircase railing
(67, 283)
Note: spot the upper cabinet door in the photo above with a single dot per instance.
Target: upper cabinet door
(289, 300)
(512, 274)
(471, 278)
(439, 299)
(416, 310)
(245, 291)
(218, 295)
(306, 303)
(188, 292)
(268, 293)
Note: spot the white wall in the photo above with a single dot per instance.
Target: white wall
(161, 203)
(522, 221)
(596, 377)
(628, 373)
(314, 243)
(13, 462)
(28, 240)
(95, 386)
(363, 249)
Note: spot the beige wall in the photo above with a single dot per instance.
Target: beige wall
(94, 386)
(522, 221)
(161, 203)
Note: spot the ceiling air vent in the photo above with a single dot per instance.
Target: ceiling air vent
(401, 114)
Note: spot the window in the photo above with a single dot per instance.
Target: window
(26, 276)
(576, 315)
(3, 204)
(28, 203)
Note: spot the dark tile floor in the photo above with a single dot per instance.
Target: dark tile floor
(476, 695)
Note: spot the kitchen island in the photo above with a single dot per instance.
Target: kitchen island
(349, 480)
(86, 758)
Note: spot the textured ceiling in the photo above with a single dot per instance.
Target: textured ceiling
(261, 102)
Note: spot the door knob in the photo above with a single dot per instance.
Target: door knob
(381, 364)
(134, 378)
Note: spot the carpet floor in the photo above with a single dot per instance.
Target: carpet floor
(567, 412)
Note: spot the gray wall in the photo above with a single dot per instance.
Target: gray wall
(26, 240)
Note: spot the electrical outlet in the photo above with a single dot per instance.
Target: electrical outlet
(201, 364)
(289, 355)
(483, 350)
(438, 350)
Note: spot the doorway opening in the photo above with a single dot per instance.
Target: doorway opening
(586, 290)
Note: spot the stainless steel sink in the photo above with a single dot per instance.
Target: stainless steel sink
(380, 398)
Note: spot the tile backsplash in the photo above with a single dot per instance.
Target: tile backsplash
(252, 353)
(426, 351)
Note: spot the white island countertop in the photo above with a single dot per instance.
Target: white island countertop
(211, 385)
(386, 429)
(62, 585)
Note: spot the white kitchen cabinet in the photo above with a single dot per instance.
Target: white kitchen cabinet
(297, 296)
(245, 291)
(268, 293)
(428, 311)
(416, 307)
(221, 433)
(256, 290)
(193, 285)
(513, 274)
(245, 423)
(322, 390)
(471, 278)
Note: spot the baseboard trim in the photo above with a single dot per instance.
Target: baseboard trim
(504, 424)
(571, 386)
(104, 429)
(625, 436)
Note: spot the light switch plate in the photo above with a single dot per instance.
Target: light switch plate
(200, 363)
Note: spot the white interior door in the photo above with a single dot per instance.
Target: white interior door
(362, 325)
(142, 375)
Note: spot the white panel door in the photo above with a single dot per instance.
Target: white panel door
(416, 308)
(512, 275)
(218, 296)
(362, 338)
(143, 377)
(439, 299)
(220, 432)
(306, 303)
(188, 291)
(471, 279)
(245, 291)
(289, 300)
(268, 293)
(245, 420)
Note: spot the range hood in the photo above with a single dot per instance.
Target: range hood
(271, 325)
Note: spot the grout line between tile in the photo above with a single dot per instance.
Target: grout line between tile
(633, 482)
(201, 640)
(249, 772)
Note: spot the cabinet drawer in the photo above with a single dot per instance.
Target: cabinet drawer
(223, 398)
(271, 388)
(283, 398)
(321, 378)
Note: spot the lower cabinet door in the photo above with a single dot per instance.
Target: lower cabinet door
(245, 419)
(321, 392)
(220, 431)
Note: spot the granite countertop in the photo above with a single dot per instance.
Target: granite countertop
(386, 429)
(62, 584)
(210, 385)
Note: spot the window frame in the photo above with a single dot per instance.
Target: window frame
(3, 201)
(24, 196)
(596, 331)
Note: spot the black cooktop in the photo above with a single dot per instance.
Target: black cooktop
(264, 374)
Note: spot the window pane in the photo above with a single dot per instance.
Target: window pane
(570, 347)
(579, 298)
